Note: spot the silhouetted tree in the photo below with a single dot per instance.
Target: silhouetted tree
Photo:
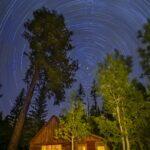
(80, 91)
(15, 111)
(0, 89)
(5, 132)
(144, 51)
(38, 110)
(49, 41)
(36, 117)
(95, 110)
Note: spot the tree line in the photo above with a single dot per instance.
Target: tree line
(124, 119)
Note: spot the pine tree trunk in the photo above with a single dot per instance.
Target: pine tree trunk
(121, 128)
(13, 145)
(72, 143)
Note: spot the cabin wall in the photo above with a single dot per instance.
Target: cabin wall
(39, 147)
(90, 145)
(35, 147)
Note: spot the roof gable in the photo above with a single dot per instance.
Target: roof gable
(47, 132)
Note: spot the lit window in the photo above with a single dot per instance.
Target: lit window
(51, 147)
(100, 148)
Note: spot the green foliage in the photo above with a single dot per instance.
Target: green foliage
(73, 124)
(50, 41)
(109, 130)
(113, 80)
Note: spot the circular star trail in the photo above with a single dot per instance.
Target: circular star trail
(99, 27)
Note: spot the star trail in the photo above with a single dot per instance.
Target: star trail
(99, 27)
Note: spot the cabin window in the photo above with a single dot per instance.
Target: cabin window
(100, 146)
(81, 147)
(51, 147)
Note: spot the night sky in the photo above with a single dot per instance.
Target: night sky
(99, 27)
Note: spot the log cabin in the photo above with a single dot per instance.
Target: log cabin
(45, 139)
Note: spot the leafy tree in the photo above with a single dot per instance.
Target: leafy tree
(73, 126)
(49, 41)
(140, 87)
(95, 110)
(121, 99)
(14, 113)
(141, 138)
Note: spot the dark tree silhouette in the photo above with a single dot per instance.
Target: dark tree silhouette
(0, 93)
(144, 51)
(95, 110)
(35, 118)
(80, 91)
(5, 132)
(38, 110)
(49, 41)
(15, 111)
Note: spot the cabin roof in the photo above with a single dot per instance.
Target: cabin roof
(45, 126)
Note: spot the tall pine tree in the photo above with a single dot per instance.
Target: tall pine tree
(49, 42)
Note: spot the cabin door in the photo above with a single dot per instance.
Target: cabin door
(51, 147)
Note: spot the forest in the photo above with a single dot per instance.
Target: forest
(123, 119)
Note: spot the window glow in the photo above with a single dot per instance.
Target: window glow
(51, 147)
